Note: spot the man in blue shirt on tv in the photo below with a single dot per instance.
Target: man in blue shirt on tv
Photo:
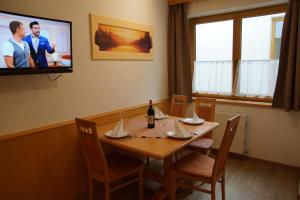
(38, 45)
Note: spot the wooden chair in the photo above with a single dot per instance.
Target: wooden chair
(202, 168)
(178, 105)
(114, 171)
(205, 108)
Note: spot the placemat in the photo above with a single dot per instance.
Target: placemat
(137, 127)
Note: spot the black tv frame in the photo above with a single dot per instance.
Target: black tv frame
(49, 70)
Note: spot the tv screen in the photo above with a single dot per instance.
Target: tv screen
(30, 45)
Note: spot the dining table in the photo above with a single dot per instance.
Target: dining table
(156, 143)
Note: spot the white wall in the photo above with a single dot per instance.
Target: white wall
(274, 134)
(29, 101)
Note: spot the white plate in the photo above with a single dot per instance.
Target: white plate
(172, 135)
(191, 121)
(109, 134)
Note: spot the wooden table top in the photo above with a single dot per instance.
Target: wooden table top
(159, 148)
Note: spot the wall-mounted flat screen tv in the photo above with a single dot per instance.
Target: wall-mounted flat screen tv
(32, 45)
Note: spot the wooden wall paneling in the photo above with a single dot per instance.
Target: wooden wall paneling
(46, 166)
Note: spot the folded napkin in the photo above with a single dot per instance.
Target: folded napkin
(180, 131)
(158, 114)
(118, 130)
(195, 117)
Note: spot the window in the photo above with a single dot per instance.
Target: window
(213, 65)
(258, 66)
(236, 55)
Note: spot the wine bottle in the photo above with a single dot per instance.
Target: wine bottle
(150, 114)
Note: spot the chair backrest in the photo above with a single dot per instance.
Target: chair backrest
(205, 108)
(92, 148)
(178, 105)
(219, 166)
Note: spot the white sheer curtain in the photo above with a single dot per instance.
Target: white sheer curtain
(257, 77)
(213, 77)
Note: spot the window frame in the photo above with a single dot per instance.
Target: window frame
(237, 18)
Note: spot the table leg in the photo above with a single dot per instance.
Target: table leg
(167, 163)
(163, 192)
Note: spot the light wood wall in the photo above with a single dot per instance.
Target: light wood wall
(47, 162)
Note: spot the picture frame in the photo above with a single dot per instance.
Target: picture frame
(116, 39)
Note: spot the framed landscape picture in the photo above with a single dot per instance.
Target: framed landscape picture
(118, 39)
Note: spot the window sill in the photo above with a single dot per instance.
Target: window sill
(242, 101)
(245, 103)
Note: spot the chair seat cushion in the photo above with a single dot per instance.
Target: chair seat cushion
(194, 165)
(202, 143)
(120, 166)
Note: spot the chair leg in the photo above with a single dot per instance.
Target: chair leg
(172, 186)
(223, 187)
(181, 153)
(107, 191)
(213, 191)
(147, 161)
(141, 184)
(176, 156)
(91, 188)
